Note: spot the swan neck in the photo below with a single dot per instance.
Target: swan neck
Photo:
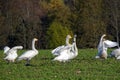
(103, 46)
(75, 47)
(101, 42)
(67, 41)
(33, 45)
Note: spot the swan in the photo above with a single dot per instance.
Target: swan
(103, 46)
(57, 50)
(11, 54)
(115, 53)
(68, 53)
(28, 55)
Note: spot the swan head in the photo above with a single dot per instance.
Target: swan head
(75, 35)
(104, 35)
(35, 39)
(6, 48)
(68, 36)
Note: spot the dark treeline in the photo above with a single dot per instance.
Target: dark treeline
(51, 20)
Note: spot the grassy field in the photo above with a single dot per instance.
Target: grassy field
(83, 67)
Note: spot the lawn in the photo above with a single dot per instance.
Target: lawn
(83, 67)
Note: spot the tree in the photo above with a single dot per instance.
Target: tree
(92, 22)
(56, 34)
(22, 19)
(58, 11)
(112, 14)
(57, 14)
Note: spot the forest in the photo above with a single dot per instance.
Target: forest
(51, 20)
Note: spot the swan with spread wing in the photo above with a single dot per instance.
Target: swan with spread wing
(68, 53)
(11, 54)
(103, 46)
(28, 55)
(57, 50)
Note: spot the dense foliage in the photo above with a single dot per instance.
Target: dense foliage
(57, 35)
(21, 20)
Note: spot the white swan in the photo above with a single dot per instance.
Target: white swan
(11, 54)
(57, 50)
(28, 55)
(115, 53)
(103, 46)
(68, 52)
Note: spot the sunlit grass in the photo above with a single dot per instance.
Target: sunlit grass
(83, 67)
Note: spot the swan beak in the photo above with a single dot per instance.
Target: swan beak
(104, 34)
(69, 36)
(36, 39)
(75, 35)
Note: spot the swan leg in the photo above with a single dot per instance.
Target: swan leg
(7, 61)
(12, 60)
(27, 62)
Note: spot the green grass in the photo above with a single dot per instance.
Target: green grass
(83, 67)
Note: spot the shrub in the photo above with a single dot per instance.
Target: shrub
(57, 34)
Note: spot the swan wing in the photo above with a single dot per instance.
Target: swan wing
(56, 51)
(17, 47)
(27, 55)
(62, 57)
(66, 48)
(11, 57)
(109, 43)
(13, 50)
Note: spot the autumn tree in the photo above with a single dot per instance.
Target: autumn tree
(58, 11)
(58, 15)
(22, 18)
(92, 23)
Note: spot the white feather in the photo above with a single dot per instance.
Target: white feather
(103, 46)
(11, 54)
(68, 53)
(115, 53)
(58, 50)
(28, 55)
(109, 44)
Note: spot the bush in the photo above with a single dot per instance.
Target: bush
(57, 34)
